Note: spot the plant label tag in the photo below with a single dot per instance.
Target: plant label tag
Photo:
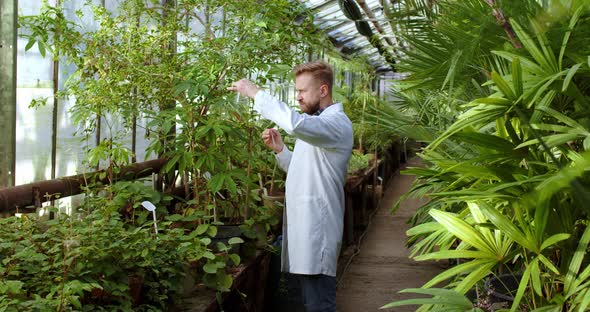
(150, 207)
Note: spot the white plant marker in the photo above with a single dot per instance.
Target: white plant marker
(150, 207)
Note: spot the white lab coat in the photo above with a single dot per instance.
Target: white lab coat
(316, 174)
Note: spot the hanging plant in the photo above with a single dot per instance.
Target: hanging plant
(351, 10)
(363, 28)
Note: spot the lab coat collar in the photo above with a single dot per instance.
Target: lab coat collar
(336, 106)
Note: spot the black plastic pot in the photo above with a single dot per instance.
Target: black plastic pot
(502, 288)
(224, 234)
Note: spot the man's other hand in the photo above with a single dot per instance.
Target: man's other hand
(272, 138)
(245, 87)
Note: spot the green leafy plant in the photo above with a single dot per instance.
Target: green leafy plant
(359, 161)
(95, 262)
(441, 300)
(508, 178)
(212, 121)
(146, 66)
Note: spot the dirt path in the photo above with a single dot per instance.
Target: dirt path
(382, 268)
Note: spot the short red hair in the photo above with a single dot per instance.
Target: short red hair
(320, 70)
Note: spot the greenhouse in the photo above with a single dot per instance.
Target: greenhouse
(295, 155)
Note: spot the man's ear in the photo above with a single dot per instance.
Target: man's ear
(323, 90)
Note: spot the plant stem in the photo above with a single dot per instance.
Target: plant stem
(193, 147)
(361, 149)
(272, 180)
(249, 169)
(501, 19)
(98, 130)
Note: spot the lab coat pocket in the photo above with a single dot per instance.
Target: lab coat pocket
(305, 215)
(306, 237)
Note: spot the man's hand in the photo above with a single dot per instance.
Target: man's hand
(272, 138)
(244, 87)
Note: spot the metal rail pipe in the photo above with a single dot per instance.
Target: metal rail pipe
(8, 35)
(33, 194)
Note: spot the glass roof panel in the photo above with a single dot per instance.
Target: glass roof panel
(315, 3)
(329, 17)
(345, 30)
(357, 41)
(329, 24)
(332, 11)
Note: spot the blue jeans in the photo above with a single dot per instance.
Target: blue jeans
(319, 292)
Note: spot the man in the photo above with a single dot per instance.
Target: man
(316, 174)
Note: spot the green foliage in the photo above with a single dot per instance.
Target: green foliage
(41, 30)
(362, 106)
(146, 66)
(124, 197)
(416, 114)
(366, 134)
(441, 300)
(147, 62)
(90, 262)
(262, 228)
(508, 177)
(359, 161)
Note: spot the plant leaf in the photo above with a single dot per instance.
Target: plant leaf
(30, 43)
(536, 277)
(454, 254)
(210, 267)
(504, 224)
(530, 46)
(503, 86)
(440, 296)
(235, 259)
(554, 239)
(235, 240)
(476, 275)
(524, 281)
(462, 230)
(456, 271)
(517, 76)
(570, 74)
(585, 300)
(572, 24)
(202, 228)
(576, 261)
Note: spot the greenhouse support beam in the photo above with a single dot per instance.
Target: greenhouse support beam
(33, 194)
(8, 33)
